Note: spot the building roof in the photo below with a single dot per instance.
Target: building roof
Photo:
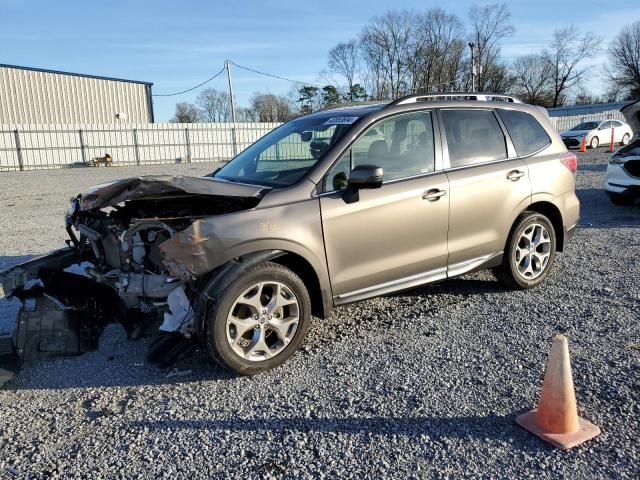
(58, 72)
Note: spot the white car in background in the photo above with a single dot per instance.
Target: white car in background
(598, 132)
(623, 172)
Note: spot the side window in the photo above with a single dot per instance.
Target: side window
(473, 136)
(604, 125)
(402, 145)
(527, 135)
(295, 150)
(616, 123)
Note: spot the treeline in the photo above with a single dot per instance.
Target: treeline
(406, 51)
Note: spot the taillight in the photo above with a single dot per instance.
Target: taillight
(570, 161)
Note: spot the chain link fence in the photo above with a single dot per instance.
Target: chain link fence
(33, 147)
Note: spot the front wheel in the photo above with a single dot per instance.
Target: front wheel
(258, 321)
(529, 253)
(595, 141)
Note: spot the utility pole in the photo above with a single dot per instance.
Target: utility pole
(227, 64)
(473, 67)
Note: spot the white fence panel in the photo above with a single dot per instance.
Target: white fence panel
(28, 147)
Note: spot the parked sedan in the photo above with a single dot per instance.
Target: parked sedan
(623, 173)
(598, 132)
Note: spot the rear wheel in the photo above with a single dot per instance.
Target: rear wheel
(619, 199)
(625, 139)
(529, 253)
(595, 141)
(259, 320)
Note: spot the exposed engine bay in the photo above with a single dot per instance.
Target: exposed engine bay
(117, 232)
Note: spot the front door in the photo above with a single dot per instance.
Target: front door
(395, 236)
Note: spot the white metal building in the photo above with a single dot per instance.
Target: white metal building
(38, 96)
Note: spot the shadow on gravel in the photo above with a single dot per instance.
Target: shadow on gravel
(597, 211)
(437, 428)
(590, 167)
(463, 286)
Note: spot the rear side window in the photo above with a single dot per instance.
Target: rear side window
(473, 136)
(527, 135)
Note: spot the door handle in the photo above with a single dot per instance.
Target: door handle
(515, 175)
(433, 195)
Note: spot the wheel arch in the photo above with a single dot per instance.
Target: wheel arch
(321, 303)
(218, 279)
(552, 212)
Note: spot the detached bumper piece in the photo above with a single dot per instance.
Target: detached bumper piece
(46, 330)
(64, 316)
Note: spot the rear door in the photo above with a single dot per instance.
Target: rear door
(394, 236)
(618, 130)
(488, 185)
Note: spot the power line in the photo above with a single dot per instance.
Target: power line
(192, 88)
(274, 76)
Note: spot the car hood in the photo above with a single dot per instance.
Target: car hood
(631, 114)
(112, 193)
(575, 133)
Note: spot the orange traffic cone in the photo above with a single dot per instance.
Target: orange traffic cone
(583, 144)
(556, 418)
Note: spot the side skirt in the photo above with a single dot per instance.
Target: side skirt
(452, 271)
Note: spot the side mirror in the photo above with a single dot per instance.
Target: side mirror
(362, 176)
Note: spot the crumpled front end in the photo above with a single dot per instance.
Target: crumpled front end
(128, 261)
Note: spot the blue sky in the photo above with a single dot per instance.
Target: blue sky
(177, 44)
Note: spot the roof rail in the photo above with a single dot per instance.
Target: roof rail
(453, 96)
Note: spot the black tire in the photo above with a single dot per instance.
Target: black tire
(621, 200)
(625, 139)
(508, 273)
(216, 321)
(595, 141)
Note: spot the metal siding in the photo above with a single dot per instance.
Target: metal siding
(37, 97)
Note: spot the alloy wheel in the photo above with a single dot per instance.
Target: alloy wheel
(262, 321)
(531, 255)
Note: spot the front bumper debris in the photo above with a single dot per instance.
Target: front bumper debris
(19, 276)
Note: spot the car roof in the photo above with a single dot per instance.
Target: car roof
(363, 109)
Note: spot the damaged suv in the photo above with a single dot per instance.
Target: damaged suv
(331, 208)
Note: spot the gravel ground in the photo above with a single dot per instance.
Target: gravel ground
(417, 385)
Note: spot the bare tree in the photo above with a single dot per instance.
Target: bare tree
(490, 24)
(344, 59)
(624, 69)
(437, 51)
(214, 105)
(532, 79)
(567, 51)
(267, 107)
(186, 113)
(386, 48)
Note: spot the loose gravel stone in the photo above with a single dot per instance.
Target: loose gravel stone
(420, 384)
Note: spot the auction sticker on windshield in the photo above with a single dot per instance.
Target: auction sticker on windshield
(341, 120)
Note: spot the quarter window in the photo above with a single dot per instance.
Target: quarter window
(402, 145)
(473, 136)
(527, 135)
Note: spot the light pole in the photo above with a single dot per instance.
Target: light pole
(473, 67)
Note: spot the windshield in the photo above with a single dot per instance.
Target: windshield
(585, 126)
(283, 156)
